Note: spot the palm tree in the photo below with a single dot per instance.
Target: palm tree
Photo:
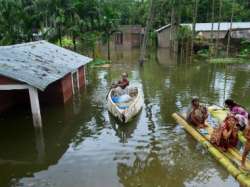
(9, 21)
(109, 23)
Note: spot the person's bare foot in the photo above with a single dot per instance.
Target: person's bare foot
(202, 126)
(223, 149)
(242, 166)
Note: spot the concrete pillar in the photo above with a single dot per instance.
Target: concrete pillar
(34, 100)
(35, 107)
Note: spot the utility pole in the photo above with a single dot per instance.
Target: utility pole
(145, 37)
(212, 29)
(218, 30)
(230, 30)
(195, 10)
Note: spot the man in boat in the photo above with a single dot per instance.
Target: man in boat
(239, 112)
(197, 114)
(122, 84)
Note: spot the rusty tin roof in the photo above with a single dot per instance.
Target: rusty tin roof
(223, 26)
(38, 63)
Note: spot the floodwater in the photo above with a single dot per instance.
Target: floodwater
(82, 145)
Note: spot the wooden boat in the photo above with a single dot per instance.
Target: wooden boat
(230, 159)
(125, 111)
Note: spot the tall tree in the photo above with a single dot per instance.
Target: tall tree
(230, 29)
(109, 23)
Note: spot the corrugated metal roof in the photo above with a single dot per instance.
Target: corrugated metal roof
(162, 28)
(224, 26)
(38, 63)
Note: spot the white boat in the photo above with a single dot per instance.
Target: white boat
(125, 111)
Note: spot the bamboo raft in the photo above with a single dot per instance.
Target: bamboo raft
(229, 160)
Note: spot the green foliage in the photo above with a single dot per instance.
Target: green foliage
(99, 62)
(66, 42)
(228, 61)
(88, 40)
(86, 21)
(184, 33)
(244, 49)
(203, 53)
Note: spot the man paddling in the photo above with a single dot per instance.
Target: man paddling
(122, 84)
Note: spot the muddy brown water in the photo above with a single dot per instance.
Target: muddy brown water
(82, 145)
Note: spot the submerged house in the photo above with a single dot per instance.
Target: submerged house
(128, 36)
(39, 71)
(206, 31)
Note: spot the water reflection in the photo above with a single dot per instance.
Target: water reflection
(124, 131)
(82, 140)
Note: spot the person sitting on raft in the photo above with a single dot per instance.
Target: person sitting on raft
(198, 114)
(247, 144)
(239, 112)
(227, 134)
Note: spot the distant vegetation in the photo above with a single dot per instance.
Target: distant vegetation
(82, 23)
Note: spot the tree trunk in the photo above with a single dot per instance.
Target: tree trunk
(171, 29)
(182, 45)
(195, 10)
(145, 37)
(187, 50)
(60, 35)
(212, 29)
(218, 30)
(109, 47)
(74, 40)
(230, 30)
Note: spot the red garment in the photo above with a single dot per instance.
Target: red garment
(123, 83)
(232, 140)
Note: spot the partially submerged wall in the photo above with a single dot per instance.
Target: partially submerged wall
(58, 92)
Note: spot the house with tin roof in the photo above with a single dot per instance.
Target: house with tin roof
(39, 71)
(240, 30)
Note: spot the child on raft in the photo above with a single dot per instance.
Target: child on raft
(247, 144)
(197, 114)
(227, 134)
